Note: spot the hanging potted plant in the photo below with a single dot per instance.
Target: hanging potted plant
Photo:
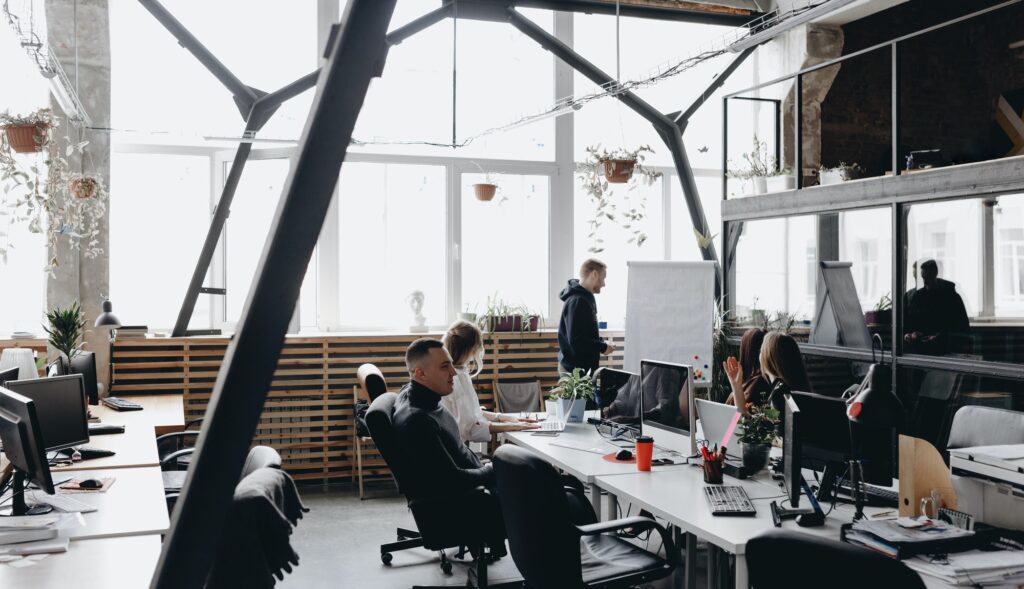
(27, 133)
(619, 165)
(571, 395)
(485, 191)
(626, 208)
(84, 186)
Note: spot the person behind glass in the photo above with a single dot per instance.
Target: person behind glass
(580, 344)
(465, 344)
(781, 364)
(756, 387)
(936, 321)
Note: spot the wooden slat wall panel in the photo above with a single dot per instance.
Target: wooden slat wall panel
(309, 413)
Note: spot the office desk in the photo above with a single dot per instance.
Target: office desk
(90, 564)
(165, 413)
(135, 448)
(133, 506)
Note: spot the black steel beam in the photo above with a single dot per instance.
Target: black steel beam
(245, 96)
(243, 381)
(683, 118)
(426, 21)
(726, 17)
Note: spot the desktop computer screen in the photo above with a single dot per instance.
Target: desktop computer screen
(666, 405)
(61, 406)
(22, 440)
(8, 374)
(610, 382)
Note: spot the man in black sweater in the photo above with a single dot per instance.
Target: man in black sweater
(579, 343)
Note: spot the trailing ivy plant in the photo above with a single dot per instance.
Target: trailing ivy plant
(66, 328)
(626, 208)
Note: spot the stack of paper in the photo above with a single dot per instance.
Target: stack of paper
(1001, 567)
(35, 534)
(888, 536)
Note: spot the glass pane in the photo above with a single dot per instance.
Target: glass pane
(776, 269)
(159, 216)
(392, 242)
(505, 243)
(615, 242)
(684, 241)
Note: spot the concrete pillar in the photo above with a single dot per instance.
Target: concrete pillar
(79, 278)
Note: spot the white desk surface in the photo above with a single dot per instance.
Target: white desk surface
(136, 447)
(133, 506)
(163, 412)
(90, 564)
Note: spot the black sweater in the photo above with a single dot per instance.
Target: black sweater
(439, 462)
(579, 343)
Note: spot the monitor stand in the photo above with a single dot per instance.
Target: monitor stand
(18, 505)
(806, 517)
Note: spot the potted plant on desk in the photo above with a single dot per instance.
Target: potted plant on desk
(66, 328)
(571, 395)
(759, 425)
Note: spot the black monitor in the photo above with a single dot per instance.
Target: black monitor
(56, 368)
(23, 445)
(795, 424)
(610, 381)
(84, 363)
(666, 405)
(9, 374)
(61, 406)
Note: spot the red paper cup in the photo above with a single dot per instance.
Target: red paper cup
(644, 452)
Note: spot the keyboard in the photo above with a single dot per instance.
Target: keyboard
(61, 503)
(728, 500)
(100, 429)
(874, 496)
(119, 404)
(552, 425)
(87, 452)
(601, 449)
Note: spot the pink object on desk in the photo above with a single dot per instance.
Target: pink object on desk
(732, 428)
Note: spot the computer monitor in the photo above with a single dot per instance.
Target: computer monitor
(794, 422)
(84, 363)
(56, 368)
(61, 406)
(8, 374)
(610, 381)
(23, 445)
(666, 405)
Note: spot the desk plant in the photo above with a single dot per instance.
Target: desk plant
(67, 325)
(624, 208)
(571, 394)
(759, 429)
(882, 313)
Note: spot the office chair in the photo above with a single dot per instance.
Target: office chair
(514, 397)
(553, 553)
(259, 457)
(782, 559)
(371, 385)
(175, 449)
(975, 425)
(443, 522)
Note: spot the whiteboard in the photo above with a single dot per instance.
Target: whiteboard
(669, 315)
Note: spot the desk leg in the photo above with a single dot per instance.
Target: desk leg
(610, 511)
(691, 560)
(595, 499)
(742, 581)
(712, 566)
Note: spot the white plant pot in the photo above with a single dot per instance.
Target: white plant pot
(781, 183)
(760, 185)
(571, 410)
(827, 177)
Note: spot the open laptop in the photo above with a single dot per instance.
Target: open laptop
(715, 421)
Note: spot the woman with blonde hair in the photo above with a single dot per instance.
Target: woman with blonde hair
(465, 344)
(782, 365)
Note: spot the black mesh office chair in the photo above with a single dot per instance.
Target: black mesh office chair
(259, 457)
(551, 552)
(791, 560)
(446, 522)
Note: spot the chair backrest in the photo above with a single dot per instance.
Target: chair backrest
(513, 397)
(791, 560)
(974, 425)
(371, 381)
(380, 422)
(84, 363)
(544, 542)
(260, 457)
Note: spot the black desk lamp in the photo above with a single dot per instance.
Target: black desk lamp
(107, 317)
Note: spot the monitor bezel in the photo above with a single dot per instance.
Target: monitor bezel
(85, 406)
(670, 436)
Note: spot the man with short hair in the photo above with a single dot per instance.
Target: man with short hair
(580, 344)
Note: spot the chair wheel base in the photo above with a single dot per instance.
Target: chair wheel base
(386, 557)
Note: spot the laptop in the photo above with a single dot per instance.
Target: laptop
(715, 421)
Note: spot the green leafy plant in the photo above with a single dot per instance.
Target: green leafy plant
(574, 385)
(627, 208)
(497, 310)
(884, 303)
(759, 425)
(66, 328)
(758, 163)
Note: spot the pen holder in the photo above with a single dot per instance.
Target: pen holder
(713, 472)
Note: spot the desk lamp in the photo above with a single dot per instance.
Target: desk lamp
(875, 408)
(107, 317)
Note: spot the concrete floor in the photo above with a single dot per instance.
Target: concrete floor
(338, 543)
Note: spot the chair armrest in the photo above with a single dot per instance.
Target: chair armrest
(638, 523)
(174, 435)
(173, 457)
(188, 425)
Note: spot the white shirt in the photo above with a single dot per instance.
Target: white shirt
(465, 406)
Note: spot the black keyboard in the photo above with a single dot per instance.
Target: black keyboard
(87, 452)
(100, 429)
(874, 496)
(728, 500)
(120, 404)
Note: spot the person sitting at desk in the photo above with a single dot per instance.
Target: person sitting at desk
(781, 364)
(756, 387)
(465, 345)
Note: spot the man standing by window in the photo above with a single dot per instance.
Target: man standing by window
(579, 343)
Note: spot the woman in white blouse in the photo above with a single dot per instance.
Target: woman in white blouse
(465, 343)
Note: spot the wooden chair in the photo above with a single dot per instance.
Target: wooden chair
(371, 385)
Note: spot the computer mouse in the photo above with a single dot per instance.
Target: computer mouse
(624, 455)
(90, 484)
